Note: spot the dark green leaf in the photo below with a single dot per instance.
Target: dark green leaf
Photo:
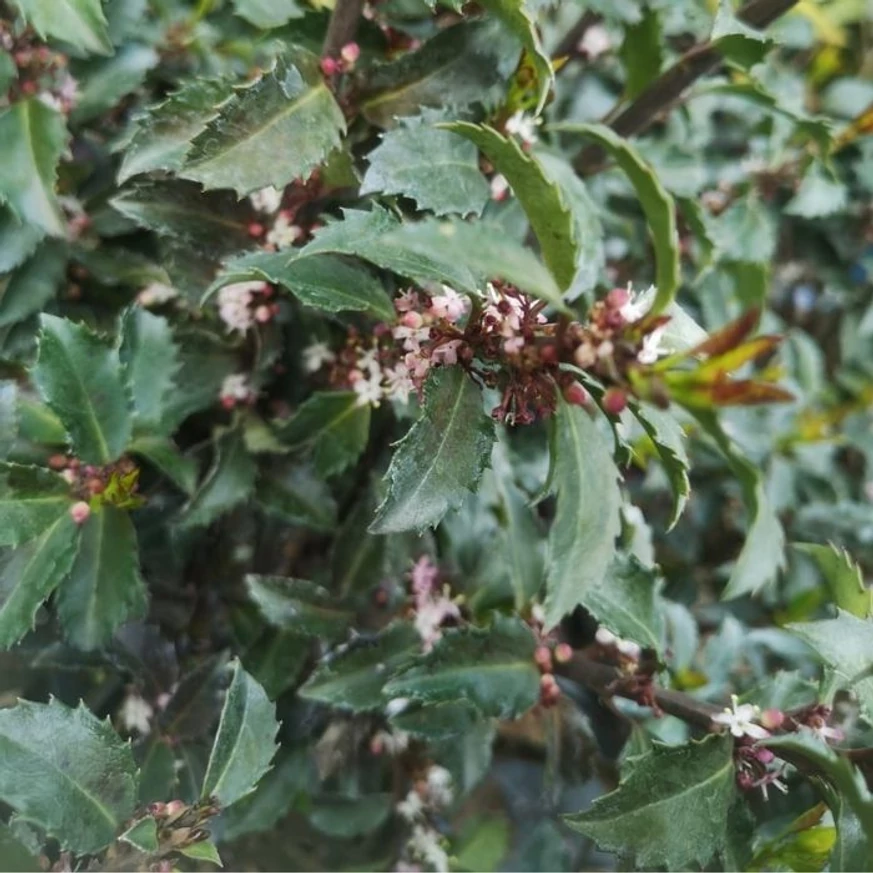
(104, 588)
(15, 857)
(492, 668)
(671, 810)
(33, 284)
(80, 23)
(582, 538)
(736, 40)
(640, 53)
(66, 772)
(348, 817)
(31, 501)
(245, 742)
(441, 458)
(142, 835)
(157, 773)
(164, 454)
(295, 495)
(194, 705)
(205, 850)
(298, 605)
(18, 240)
(79, 377)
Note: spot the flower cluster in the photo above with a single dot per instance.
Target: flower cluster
(432, 605)
(115, 484)
(243, 304)
(429, 794)
(41, 72)
(236, 390)
(348, 56)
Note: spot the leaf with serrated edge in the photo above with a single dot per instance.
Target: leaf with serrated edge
(279, 114)
(298, 605)
(671, 810)
(142, 835)
(582, 538)
(843, 577)
(353, 676)
(543, 201)
(67, 772)
(32, 140)
(29, 574)
(79, 377)
(492, 668)
(441, 459)
(32, 499)
(104, 588)
(165, 455)
(436, 168)
(245, 742)
(80, 23)
(655, 200)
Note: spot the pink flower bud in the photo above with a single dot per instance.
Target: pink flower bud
(350, 52)
(79, 512)
(228, 401)
(615, 401)
(576, 395)
(617, 298)
(255, 229)
(772, 719)
(174, 807)
(563, 653)
(263, 314)
(412, 320)
(543, 658)
(57, 462)
(329, 66)
(157, 808)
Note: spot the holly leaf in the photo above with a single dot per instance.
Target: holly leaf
(365, 234)
(736, 40)
(845, 645)
(464, 64)
(31, 501)
(18, 240)
(80, 783)
(843, 577)
(182, 470)
(320, 281)
(161, 138)
(79, 377)
(820, 194)
(32, 140)
(436, 168)
(245, 742)
(298, 605)
(671, 810)
(582, 537)
(484, 249)
(441, 459)
(33, 284)
(205, 850)
(292, 493)
(289, 111)
(229, 482)
(81, 23)
(353, 677)
(29, 574)
(542, 199)
(657, 204)
(332, 426)
(150, 361)
(492, 668)
(104, 588)
(268, 14)
(142, 835)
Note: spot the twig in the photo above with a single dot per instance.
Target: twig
(568, 45)
(342, 27)
(670, 85)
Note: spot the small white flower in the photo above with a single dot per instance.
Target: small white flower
(430, 615)
(234, 304)
(629, 649)
(636, 307)
(741, 718)
(267, 200)
(652, 348)
(412, 807)
(156, 294)
(595, 42)
(426, 843)
(315, 356)
(439, 786)
(284, 234)
(136, 714)
(236, 387)
(369, 391)
(449, 305)
(398, 382)
(522, 125)
(368, 361)
(499, 187)
(605, 637)
(396, 706)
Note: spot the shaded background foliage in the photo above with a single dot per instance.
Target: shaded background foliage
(234, 602)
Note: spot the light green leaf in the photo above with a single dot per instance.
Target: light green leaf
(845, 645)
(150, 361)
(582, 538)
(79, 377)
(32, 139)
(353, 677)
(142, 835)
(80, 23)
(165, 455)
(205, 850)
(667, 436)
(464, 64)
(31, 501)
(321, 281)
(18, 240)
(843, 577)
(268, 14)
(229, 482)
(332, 426)
(656, 202)
(492, 668)
(282, 113)
(436, 168)
(671, 810)
(736, 40)
(80, 783)
(104, 588)
(641, 54)
(484, 249)
(162, 136)
(29, 574)
(745, 232)
(542, 199)
(298, 605)
(820, 194)
(245, 742)
(441, 459)
(518, 20)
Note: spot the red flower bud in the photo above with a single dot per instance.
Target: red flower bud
(256, 229)
(614, 401)
(617, 298)
(543, 658)
(576, 394)
(772, 719)
(57, 462)
(330, 66)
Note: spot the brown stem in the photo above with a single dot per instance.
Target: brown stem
(568, 45)
(342, 27)
(670, 85)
